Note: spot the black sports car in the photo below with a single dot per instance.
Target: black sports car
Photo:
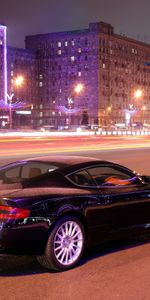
(56, 206)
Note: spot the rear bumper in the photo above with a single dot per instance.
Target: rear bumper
(23, 239)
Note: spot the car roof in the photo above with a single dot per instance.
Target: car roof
(64, 159)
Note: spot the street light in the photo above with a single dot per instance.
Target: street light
(18, 81)
(138, 93)
(78, 88)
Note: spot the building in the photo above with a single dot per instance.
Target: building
(111, 67)
(3, 63)
(22, 62)
(114, 71)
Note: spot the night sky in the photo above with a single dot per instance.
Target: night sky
(129, 17)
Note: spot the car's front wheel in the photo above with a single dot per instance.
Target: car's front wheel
(65, 244)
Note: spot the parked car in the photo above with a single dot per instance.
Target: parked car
(48, 128)
(55, 206)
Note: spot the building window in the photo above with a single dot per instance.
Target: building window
(53, 113)
(104, 66)
(66, 43)
(41, 106)
(41, 76)
(41, 114)
(79, 50)
(40, 84)
(72, 43)
(59, 52)
(72, 58)
(59, 44)
(12, 73)
(1, 42)
(79, 73)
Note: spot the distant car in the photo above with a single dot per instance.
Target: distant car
(48, 128)
(54, 207)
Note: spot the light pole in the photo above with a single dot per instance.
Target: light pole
(78, 88)
(138, 94)
(18, 83)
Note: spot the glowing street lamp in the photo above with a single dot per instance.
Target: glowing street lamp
(19, 81)
(138, 94)
(79, 88)
(109, 108)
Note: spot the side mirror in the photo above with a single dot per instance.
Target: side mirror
(145, 179)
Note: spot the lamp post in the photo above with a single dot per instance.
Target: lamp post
(18, 83)
(78, 88)
(138, 94)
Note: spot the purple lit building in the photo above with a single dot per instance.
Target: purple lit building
(65, 60)
(22, 62)
(3, 63)
(110, 67)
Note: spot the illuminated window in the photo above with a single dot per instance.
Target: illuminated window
(72, 43)
(40, 84)
(53, 113)
(41, 114)
(79, 50)
(66, 43)
(72, 58)
(104, 66)
(41, 106)
(59, 52)
(41, 76)
(12, 73)
(79, 73)
(1, 42)
(59, 44)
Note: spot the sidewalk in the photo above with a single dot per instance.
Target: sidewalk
(34, 133)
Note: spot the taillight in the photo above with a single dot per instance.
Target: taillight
(8, 212)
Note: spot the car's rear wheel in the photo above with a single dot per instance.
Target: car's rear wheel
(65, 245)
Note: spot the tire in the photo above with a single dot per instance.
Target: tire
(65, 245)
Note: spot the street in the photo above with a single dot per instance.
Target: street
(107, 272)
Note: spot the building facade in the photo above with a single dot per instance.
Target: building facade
(113, 70)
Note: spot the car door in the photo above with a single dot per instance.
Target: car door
(126, 198)
(95, 210)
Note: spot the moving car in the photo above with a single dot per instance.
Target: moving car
(55, 206)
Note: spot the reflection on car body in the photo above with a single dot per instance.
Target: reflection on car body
(55, 206)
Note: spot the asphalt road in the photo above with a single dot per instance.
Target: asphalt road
(120, 271)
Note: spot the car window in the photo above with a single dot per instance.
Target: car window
(34, 169)
(82, 178)
(112, 176)
(13, 172)
(10, 175)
